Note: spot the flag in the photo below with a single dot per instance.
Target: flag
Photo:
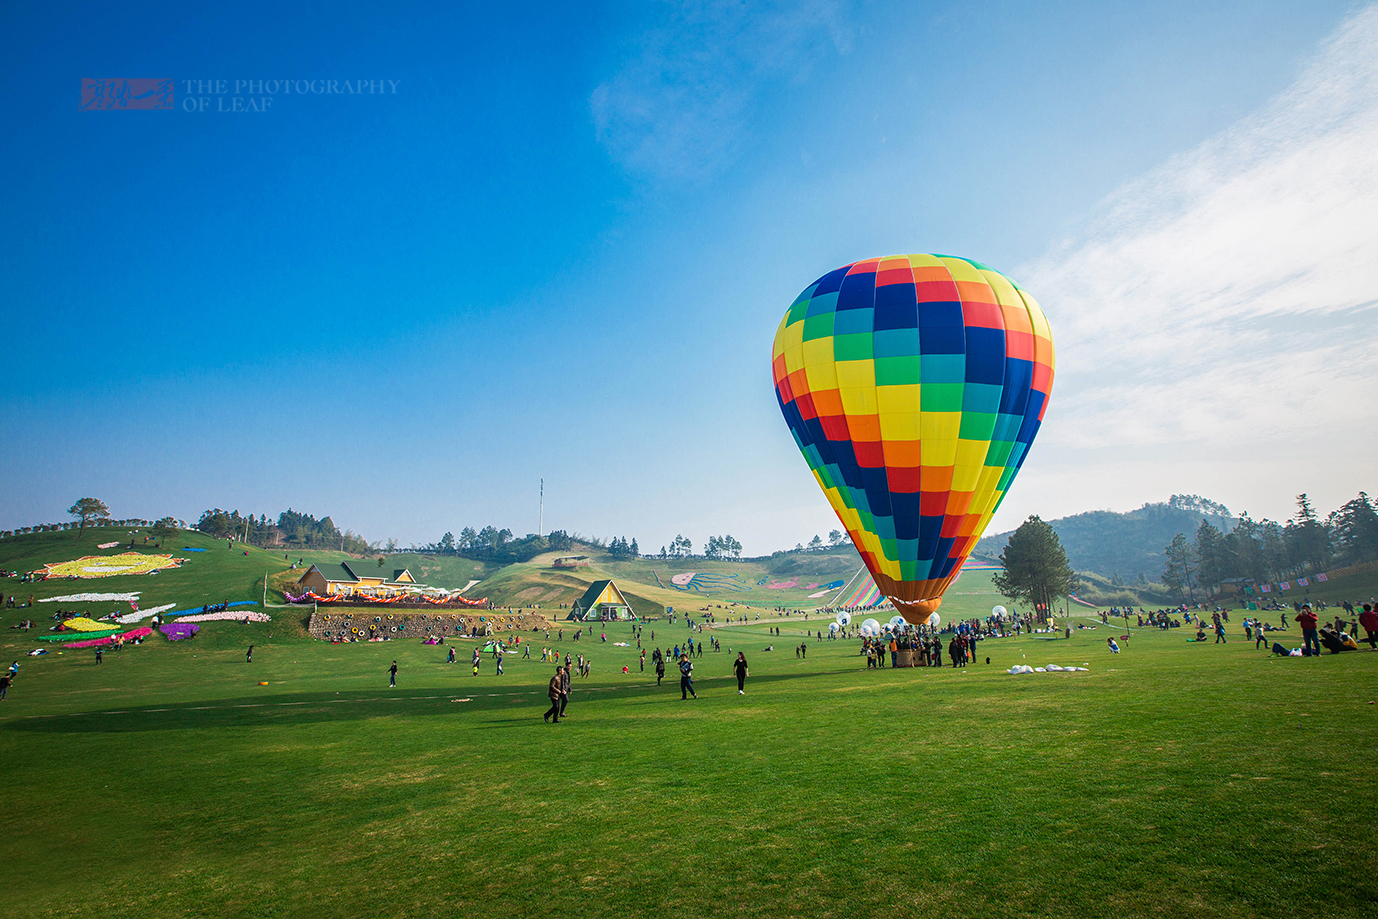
(1267, 588)
(1322, 577)
(1284, 586)
(1303, 582)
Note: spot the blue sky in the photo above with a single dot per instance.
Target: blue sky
(561, 247)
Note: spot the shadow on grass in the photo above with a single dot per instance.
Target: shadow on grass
(311, 708)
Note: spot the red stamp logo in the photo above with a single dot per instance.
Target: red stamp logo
(125, 94)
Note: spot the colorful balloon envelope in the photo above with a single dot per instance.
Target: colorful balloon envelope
(914, 386)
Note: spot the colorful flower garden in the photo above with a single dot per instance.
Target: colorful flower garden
(106, 566)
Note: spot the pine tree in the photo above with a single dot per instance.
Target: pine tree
(1036, 569)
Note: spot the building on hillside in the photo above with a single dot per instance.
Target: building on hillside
(354, 577)
(571, 561)
(600, 603)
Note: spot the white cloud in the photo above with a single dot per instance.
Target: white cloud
(679, 109)
(1225, 304)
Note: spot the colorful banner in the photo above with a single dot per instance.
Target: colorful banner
(1303, 582)
(1284, 586)
(1322, 577)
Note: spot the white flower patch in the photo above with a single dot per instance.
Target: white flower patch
(226, 616)
(141, 614)
(91, 598)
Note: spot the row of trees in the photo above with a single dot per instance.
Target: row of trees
(621, 548)
(1268, 551)
(291, 529)
(498, 545)
(95, 513)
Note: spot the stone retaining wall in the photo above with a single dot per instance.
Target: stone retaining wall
(366, 622)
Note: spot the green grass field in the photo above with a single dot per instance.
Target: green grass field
(1172, 779)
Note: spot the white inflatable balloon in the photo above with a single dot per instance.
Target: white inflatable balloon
(872, 625)
(844, 619)
(896, 622)
(997, 611)
(934, 621)
(833, 626)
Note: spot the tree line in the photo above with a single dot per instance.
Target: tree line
(1266, 551)
(291, 529)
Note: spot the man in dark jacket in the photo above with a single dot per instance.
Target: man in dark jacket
(565, 686)
(686, 678)
(556, 693)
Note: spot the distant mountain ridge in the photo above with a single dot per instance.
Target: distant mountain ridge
(1127, 544)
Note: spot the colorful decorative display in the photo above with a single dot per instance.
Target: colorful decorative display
(247, 615)
(914, 386)
(97, 642)
(706, 581)
(68, 636)
(140, 615)
(105, 566)
(176, 631)
(450, 601)
(865, 593)
(84, 624)
(92, 598)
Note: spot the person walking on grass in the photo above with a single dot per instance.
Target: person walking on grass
(660, 666)
(499, 663)
(249, 657)
(739, 666)
(475, 661)
(98, 655)
(451, 658)
(5, 686)
(566, 685)
(686, 677)
(555, 691)
(392, 674)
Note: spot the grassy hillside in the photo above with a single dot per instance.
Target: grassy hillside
(215, 574)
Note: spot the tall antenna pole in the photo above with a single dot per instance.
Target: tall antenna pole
(540, 527)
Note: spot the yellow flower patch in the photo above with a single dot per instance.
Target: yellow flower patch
(105, 566)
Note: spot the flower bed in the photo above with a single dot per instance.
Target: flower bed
(97, 642)
(68, 636)
(83, 624)
(106, 566)
(176, 631)
(226, 616)
(140, 615)
(91, 598)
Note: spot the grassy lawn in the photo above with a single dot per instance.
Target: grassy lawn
(1173, 779)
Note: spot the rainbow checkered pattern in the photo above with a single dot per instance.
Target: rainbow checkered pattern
(914, 385)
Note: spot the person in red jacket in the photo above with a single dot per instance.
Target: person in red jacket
(1369, 620)
(1311, 643)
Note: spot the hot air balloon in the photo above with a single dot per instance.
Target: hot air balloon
(914, 386)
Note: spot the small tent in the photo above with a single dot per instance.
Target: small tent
(601, 602)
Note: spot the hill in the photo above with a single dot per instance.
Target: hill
(1127, 545)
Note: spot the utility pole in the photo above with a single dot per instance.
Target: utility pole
(540, 527)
